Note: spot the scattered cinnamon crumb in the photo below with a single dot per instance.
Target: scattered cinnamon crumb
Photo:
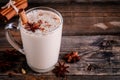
(40, 22)
(47, 24)
(42, 29)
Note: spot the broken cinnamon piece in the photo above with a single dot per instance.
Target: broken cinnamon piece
(40, 22)
(23, 16)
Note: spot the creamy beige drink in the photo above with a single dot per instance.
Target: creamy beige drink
(42, 38)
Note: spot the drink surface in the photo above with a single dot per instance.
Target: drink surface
(42, 21)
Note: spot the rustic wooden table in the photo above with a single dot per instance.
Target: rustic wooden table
(86, 25)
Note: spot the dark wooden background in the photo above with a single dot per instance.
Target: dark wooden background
(79, 32)
(55, 1)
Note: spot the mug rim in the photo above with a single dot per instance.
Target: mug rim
(49, 9)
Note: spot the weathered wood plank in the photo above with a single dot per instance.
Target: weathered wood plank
(85, 45)
(80, 19)
(73, 77)
(80, 68)
(86, 25)
(71, 42)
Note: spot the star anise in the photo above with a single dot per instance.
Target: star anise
(72, 57)
(61, 69)
(29, 27)
(106, 44)
(33, 26)
(91, 67)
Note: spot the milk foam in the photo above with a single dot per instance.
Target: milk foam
(50, 20)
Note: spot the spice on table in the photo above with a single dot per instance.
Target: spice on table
(72, 57)
(61, 70)
(91, 67)
(107, 44)
(23, 71)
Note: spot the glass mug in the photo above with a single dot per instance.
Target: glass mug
(41, 51)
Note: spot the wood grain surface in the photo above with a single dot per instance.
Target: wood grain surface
(63, 1)
(81, 19)
(85, 24)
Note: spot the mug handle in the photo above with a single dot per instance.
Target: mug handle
(11, 40)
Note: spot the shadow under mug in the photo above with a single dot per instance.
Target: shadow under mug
(41, 51)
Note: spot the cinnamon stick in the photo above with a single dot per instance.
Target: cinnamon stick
(13, 12)
(4, 10)
(23, 16)
(7, 13)
(18, 3)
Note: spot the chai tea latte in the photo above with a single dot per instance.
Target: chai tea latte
(41, 38)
